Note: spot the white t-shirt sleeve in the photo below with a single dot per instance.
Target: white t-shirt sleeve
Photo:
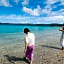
(26, 39)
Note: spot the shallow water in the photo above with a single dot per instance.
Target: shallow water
(12, 36)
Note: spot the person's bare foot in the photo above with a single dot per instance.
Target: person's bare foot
(30, 62)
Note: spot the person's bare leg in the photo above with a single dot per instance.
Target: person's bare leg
(30, 62)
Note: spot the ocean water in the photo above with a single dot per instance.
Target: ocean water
(12, 36)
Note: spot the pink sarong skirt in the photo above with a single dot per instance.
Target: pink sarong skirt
(29, 52)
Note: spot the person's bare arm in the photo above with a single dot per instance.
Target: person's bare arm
(61, 30)
(25, 46)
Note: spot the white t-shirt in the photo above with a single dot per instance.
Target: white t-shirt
(30, 39)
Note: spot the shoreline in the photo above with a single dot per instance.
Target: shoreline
(32, 24)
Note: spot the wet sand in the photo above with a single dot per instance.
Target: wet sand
(44, 54)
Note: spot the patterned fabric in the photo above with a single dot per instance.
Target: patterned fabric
(29, 52)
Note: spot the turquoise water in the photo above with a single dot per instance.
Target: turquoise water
(13, 35)
(20, 28)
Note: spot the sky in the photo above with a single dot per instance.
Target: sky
(32, 11)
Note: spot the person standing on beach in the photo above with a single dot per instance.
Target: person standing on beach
(62, 38)
(29, 45)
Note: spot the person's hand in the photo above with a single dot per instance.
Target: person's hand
(60, 30)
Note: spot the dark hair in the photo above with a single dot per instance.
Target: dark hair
(26, 30)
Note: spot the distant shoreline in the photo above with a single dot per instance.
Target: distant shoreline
(32, 24)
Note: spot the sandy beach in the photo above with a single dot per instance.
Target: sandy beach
(44, 54)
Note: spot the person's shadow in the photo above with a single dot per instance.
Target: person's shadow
(48, 46)
(12, 59)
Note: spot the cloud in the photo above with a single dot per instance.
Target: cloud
(39, 11)
(49, 8)
(5, 3)
(16, 1)
(34, 12)
(49, 2)
(25, 2)
(54, 19)
(53, 13)
(62, 2)
(31, 20)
